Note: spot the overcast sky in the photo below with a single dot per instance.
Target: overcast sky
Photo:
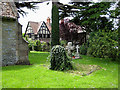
(41, 14)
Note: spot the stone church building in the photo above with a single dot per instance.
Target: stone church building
(14, 47)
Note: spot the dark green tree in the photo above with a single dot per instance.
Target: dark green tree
(55, 25)
(115, 14)
(29, 5)
(89, 15)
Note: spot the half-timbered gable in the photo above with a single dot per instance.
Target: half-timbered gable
(39, 30)
(29, 30)
(44, 32)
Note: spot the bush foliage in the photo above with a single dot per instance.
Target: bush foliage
(37, 45)
(63, 43)
(83, 49)
(103, 44)
(59, 59)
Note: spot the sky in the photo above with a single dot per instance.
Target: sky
(43, 12)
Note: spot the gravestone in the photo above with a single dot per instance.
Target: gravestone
(77, 55)
(14, 48)
(69, 47)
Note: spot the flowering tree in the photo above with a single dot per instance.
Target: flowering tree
(69, 31)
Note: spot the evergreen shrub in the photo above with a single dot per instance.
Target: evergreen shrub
(59, 59)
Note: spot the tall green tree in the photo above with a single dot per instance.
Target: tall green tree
(55, 25)
(115, 14)
(89, 15)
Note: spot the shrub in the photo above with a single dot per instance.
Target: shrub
(38, 45)
(63, 43)
(83, 49)
(30, 47)
(44, 46)
(31, 44)
(59, 59)
(102, 44)
(48, 47)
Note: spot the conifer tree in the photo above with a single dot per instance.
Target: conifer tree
(55, 25)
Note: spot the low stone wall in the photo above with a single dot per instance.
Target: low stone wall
(14, 48)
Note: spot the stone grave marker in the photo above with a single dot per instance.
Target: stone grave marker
(77, 55)
(69, 47)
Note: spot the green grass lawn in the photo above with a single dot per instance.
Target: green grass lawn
(39, 76)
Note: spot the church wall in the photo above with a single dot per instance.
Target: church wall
(22, 48)
(9, 42)
(14, 48)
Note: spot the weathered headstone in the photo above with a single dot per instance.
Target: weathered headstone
(77, 55)
(69, 47)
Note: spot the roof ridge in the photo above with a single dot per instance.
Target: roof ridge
(35, 21)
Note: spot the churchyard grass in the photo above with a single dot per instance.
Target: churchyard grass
(38, 75)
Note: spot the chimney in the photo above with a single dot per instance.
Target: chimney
(62, 21)
(48, 20)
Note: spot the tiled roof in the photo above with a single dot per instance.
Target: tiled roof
(72, 26)
(36, 26)
(8, 9)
